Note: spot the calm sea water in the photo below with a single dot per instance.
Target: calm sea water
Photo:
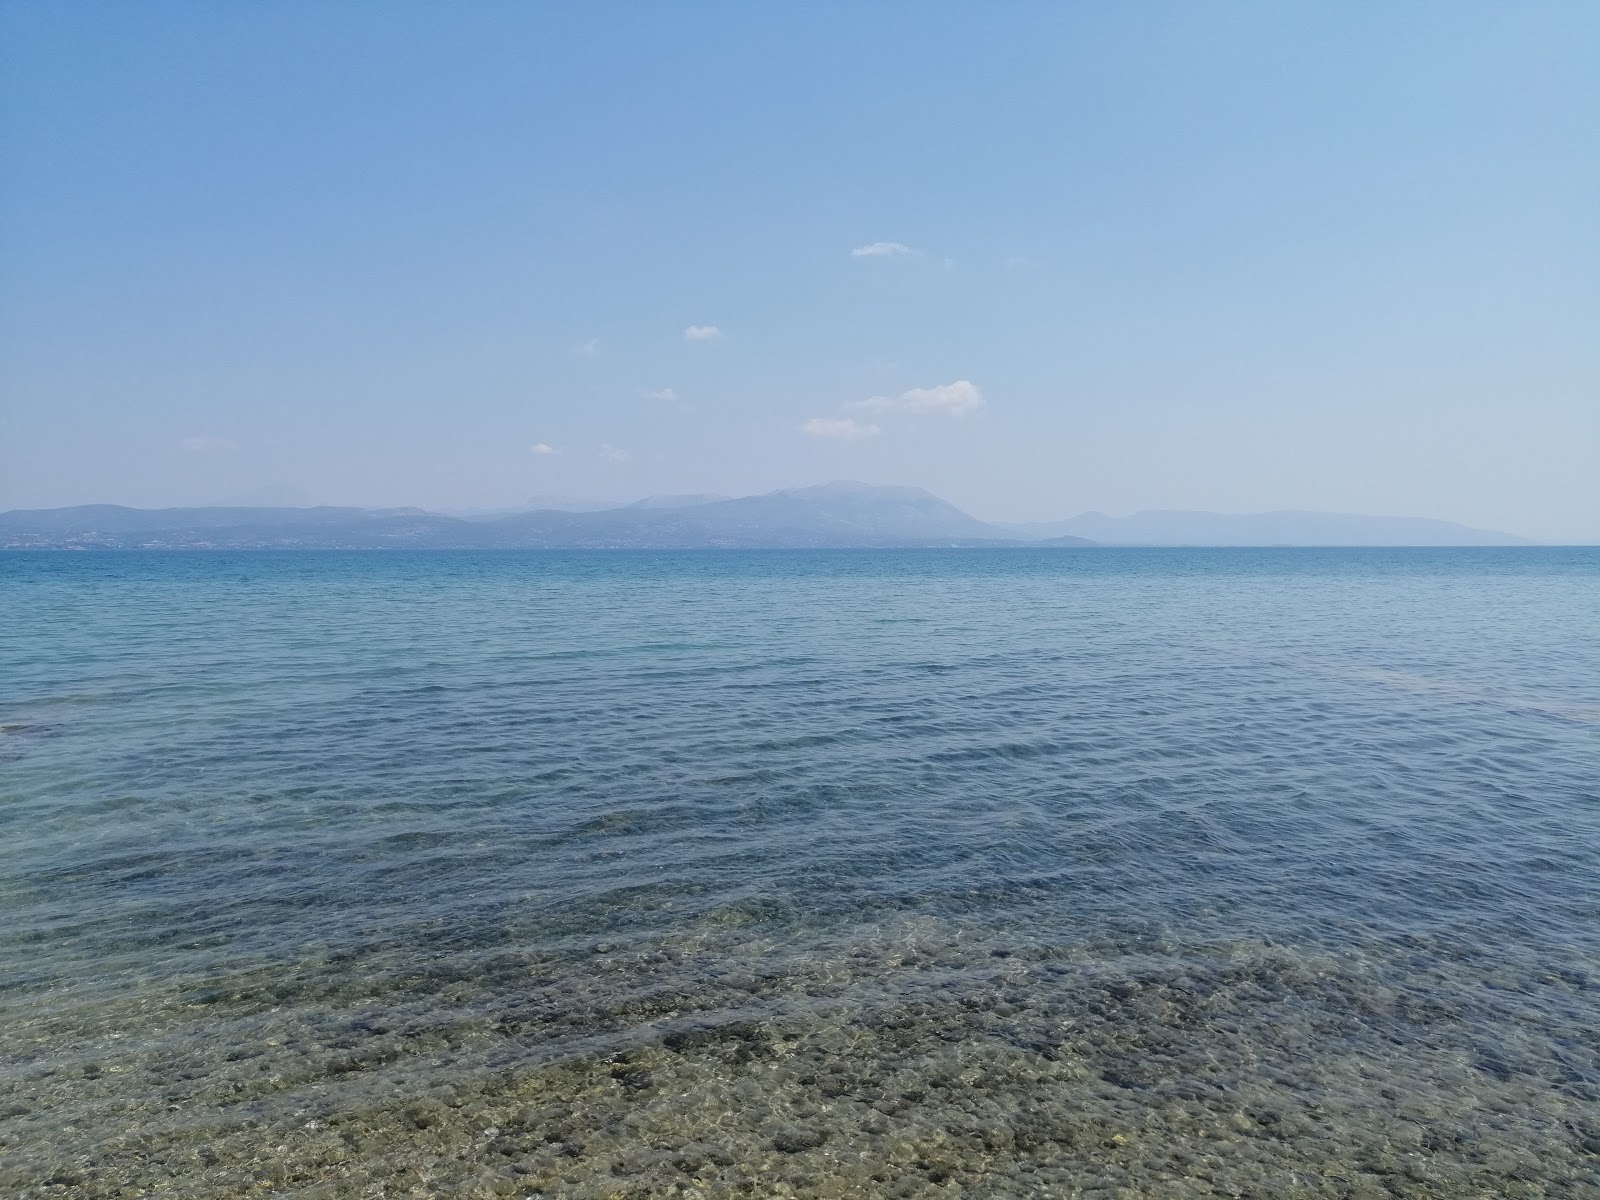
(1100, 873)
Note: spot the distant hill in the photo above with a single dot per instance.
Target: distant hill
(832, 515)
(115, 519)
(835, 514)
(1174, 527)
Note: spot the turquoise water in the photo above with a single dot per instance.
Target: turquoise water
(1107, 873)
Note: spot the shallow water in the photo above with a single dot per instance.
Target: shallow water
(1110, 873)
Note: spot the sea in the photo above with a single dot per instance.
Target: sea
(1115, 873)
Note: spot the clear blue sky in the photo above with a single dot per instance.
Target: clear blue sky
(1237, 256)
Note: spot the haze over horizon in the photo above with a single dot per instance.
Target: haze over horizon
(1040, 262)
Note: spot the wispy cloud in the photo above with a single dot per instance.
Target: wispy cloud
(702, 333)
(838, 427)
(588, 349)
(881, 250)
(951, 399)
(543, 448)
(612, 454)
(659, 394)
(206, 443)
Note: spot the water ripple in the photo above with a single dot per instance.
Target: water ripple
(1183, 873)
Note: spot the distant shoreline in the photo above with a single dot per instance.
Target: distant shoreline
(1013, 547)
(839, 515)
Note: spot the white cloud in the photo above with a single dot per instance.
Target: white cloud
(612, 454)
(667, 393)
(838, 427)
(589, 348)
(881, 250)
(543, 448)
(952, 399)
(702, 333)
(206, 443)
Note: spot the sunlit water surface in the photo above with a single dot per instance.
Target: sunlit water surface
(1103, 873)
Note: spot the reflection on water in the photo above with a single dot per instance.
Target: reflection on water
(906, 874)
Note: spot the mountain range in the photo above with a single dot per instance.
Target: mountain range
(830, 515)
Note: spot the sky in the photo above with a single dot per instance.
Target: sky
(1037, 258)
